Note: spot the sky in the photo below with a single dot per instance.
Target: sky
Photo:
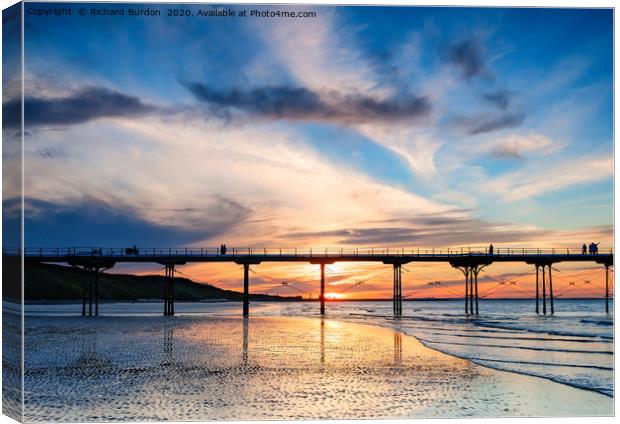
(358, 127)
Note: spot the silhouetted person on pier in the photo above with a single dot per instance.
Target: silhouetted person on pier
(593, 248)
(584, 249)
(491, 249)
(131, 250)
(223, 249)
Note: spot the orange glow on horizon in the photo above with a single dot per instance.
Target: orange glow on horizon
(356, 281)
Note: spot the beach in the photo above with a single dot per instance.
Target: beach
(121, 368)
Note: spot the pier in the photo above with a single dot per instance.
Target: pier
(469, 260)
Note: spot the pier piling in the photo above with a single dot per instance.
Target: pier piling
(470, 269)
(544, 282)
(246, 290)
(96, 276)
(471, 290)
(537, 290)
(466, 291)
(606, 288)
(544, 292)
(84, 284)
(90, 294)
(476, 288)
(168, 291)
(550, 289)
(322, 288)
(90, 287)
(397, 295)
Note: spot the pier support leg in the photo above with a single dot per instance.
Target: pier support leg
(246, 290)
(90, 294)
(544, 292)
(476, 288)
(90, 286)
(466, 272)
(172, 291)
(606, 288)
(168, 293)
(322, 289)
(84, 284)
(550, 290)
(96, 275)
(472, 300)
(394, 290)
(537, 290)
(400, 291)
(397, 291)
(471, 290)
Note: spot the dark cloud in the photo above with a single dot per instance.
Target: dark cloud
(489, 122)
(301, 104)
(499, 98)
(84, 105)
(93, 222)
(469, 57)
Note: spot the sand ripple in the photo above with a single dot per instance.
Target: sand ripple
(206, 368)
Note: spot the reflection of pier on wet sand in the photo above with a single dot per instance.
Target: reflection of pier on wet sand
(268, 368)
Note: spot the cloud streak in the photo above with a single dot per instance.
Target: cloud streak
(517, 146)
(499, 98)
(85, 105)
(489, 122)
(439, 230)
(302, 104)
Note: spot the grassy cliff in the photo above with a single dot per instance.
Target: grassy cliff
(55, 282)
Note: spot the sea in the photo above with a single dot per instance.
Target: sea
(574, 346)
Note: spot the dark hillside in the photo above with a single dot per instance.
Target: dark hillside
(55, 282)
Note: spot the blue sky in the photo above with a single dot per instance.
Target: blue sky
(362, 126)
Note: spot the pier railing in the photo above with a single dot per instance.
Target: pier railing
(195, 252)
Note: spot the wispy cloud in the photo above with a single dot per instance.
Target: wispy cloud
(538, 180)
(438, 230)
(323, 54)
(518, 146)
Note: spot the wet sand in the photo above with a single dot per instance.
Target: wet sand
(206, 368)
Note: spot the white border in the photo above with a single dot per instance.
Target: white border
(480, 3)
